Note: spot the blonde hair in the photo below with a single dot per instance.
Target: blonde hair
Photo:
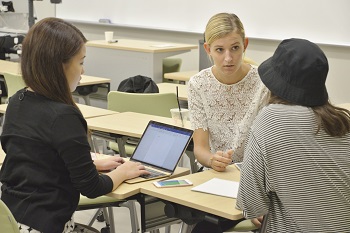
(221, 25)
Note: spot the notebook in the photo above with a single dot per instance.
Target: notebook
(160, 149)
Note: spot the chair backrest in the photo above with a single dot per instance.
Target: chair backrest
(14, 82)
(8, 223)
(171, 65)
(158, 104)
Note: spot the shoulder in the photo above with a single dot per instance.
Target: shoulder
(280, 117)
(201, 78)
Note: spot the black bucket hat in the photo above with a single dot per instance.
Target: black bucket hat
(297, 72)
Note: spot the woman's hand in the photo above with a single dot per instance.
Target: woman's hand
(220, 160)
(109, 163)
(132, 169)
(257, 221)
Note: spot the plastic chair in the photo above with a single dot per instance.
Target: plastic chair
(158, 104)
(244, 226)
(8, 223)
(171, 65)
(14, 82)
(105, 204)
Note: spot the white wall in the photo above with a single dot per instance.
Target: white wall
(338, 82)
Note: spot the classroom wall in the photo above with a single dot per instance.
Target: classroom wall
(338, 82)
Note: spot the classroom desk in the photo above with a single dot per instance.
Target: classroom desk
(128, 58)
(171, 87)
(87, 111)
(344, 105)
(183, 76)
(2, 156)
(212, 204)
(87, 85)
(118, 127)
(9, 66)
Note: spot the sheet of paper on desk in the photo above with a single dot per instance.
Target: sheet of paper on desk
(219, 187)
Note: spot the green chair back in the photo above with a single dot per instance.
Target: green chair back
(171, 65)
(158, 104)
(14, 82)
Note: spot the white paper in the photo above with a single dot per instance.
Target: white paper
(219, 187)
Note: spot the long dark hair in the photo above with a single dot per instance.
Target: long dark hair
(48, 45)
(335, 121)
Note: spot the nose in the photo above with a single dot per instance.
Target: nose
(228, 56)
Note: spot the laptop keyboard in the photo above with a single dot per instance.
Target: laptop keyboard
(153, 173)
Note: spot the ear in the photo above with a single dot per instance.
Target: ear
(246, 42)
(207, 47)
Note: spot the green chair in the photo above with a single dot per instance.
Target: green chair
(158, 104)
(14, 82)
(171, 65)
(8, 223)
(244, 226)
(106, 204)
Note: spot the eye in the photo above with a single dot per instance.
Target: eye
(219, 50)
(235, 48)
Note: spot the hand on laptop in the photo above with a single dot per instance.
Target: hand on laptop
(109, 163)
(133, 169)
(221, 160)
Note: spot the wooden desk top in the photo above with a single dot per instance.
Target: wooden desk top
(141, 46)
(181, 76)
(171, 87)
(344, 105)
(130, 124)
(91, 80)
(86, 110)
(126, 190)
(14, 67)
(9, 67)
(213, 204)
(2, 155)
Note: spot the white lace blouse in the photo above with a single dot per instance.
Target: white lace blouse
(227, 111)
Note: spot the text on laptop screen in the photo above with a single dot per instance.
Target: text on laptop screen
(161, 145)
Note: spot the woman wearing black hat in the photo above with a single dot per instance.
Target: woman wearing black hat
(296, 167)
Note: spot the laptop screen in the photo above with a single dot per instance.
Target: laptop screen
(162, 145)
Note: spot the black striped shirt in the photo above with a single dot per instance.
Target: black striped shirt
(301, 178)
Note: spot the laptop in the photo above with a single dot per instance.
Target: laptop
(160, 149)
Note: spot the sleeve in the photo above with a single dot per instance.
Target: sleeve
(70, 140)
(252, 196)
(198, 117)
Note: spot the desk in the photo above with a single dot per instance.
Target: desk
(89, 85)
(86, 86)
(2, 156)
(171, 87)
(9, 67)
(87, 111)
(208, 203)
(344, 105)
(128, 58)
(183, 76)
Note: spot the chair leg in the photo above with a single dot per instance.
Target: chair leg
(167, 229)
(93, 219)
(111, 219)
(185, 228)
(131, 205)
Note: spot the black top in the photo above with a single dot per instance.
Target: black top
(47, 163)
